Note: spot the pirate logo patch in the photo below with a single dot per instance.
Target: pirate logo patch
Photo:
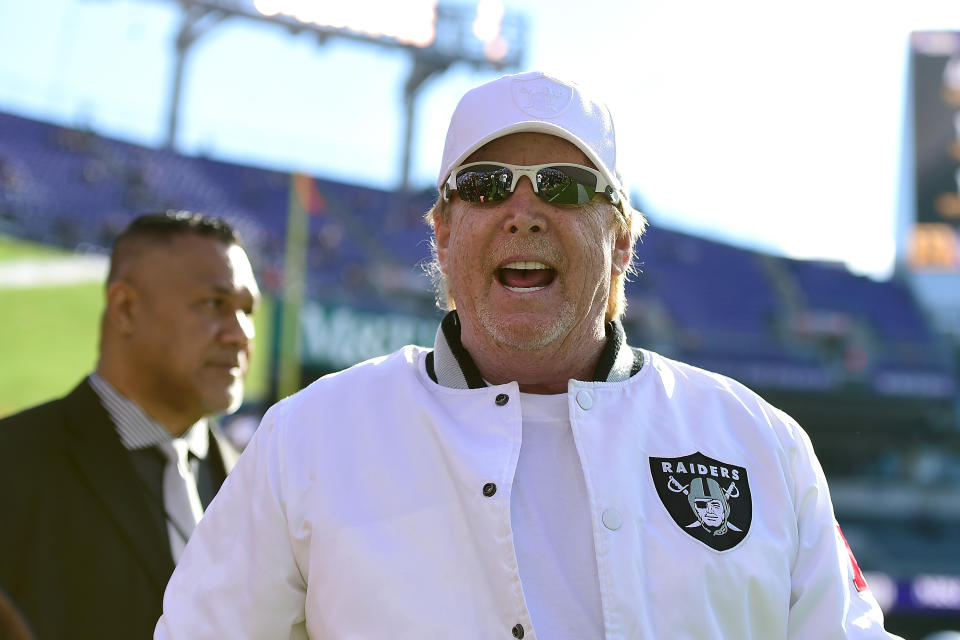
(708, 499)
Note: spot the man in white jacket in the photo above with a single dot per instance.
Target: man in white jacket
(531, 475)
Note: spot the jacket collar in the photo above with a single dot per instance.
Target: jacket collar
(450, 365)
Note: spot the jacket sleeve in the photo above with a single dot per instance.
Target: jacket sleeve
(238, 577)
(829, 600)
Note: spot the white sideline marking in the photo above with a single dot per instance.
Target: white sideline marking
(38, 272)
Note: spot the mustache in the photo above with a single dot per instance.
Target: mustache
(540, 248)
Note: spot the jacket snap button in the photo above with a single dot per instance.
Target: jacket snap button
(518, 631)
(585, 400)
(489, 489)
(502, 399)
(612, 519)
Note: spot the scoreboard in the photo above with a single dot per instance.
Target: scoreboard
(934, 244)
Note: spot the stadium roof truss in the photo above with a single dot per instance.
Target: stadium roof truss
(484, 36)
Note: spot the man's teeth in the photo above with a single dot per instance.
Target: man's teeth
(525, 264)
(522, 289)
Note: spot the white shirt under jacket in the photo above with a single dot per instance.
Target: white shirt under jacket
(358, 512)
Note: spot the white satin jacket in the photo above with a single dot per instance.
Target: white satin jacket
(375, 504)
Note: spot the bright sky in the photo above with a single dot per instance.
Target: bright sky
(767, 124)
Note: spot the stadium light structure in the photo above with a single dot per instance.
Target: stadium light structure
(434, 33)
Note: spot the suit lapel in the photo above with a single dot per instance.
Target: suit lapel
(104, 464)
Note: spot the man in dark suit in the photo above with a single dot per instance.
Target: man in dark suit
(99, 490)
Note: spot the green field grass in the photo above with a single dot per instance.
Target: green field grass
(49, 337)
(48, 341)
(13, 249)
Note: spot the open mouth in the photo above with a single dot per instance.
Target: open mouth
(525, 276)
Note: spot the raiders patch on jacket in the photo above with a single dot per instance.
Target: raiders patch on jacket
(707, 498)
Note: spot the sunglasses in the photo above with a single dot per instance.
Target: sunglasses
(558, 183)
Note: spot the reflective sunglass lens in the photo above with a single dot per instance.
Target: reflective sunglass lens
(484, 184)
(566, 185)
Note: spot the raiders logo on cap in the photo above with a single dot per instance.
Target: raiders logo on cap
(541, 97)
(707, 498)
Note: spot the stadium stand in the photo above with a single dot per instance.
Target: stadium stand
(774, 321)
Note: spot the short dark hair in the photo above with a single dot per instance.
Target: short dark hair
(163, 227)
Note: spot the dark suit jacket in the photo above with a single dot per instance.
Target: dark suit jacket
(84, 551)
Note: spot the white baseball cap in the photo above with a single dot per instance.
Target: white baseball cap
(532, 102)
